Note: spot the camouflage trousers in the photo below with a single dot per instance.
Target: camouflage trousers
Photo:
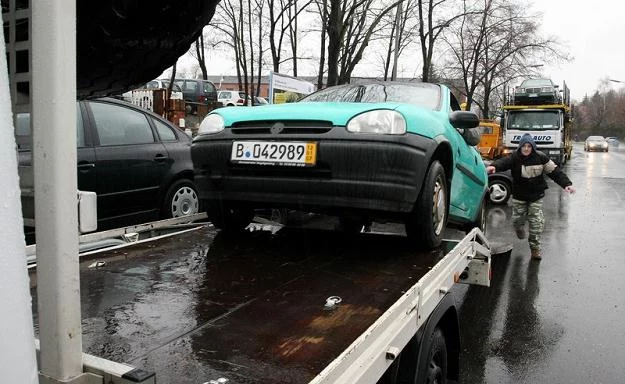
(533, 213)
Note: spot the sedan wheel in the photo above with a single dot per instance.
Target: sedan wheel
(181, 200)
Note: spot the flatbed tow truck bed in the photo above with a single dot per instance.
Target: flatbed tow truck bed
(251, 308)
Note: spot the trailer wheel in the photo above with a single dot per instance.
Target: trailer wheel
(437, 359)
(427, 222)
(181, 199)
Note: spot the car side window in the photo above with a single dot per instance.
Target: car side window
(118, 125)
(164, 132)
(190, 86)
(453, 102)
(23, 135)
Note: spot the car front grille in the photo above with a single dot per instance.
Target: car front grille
(293, 127)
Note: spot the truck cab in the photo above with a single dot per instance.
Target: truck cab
(548, 124)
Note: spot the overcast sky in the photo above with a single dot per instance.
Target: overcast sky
(594, 32)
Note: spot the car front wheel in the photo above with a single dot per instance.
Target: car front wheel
(427, 222)
(181, 199)
(499, 191)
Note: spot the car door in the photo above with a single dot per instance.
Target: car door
(130, 163)
(467, 185)
(85, 152)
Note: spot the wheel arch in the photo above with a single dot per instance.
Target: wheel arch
(445, 316)
(443, 154)
(414, 358)
(186, 174)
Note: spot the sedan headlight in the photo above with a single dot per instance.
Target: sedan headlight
(384, 122)
(547, 89)
(212, 123)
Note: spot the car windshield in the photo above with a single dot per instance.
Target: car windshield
(420, 94)
(536, 83)
(538, 120)
(595, 138)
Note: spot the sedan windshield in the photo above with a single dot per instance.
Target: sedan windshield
(420, 94)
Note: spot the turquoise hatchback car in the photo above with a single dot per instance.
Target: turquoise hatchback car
(383, 151)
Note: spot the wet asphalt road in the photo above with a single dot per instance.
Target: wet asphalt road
(560, 320)
(555, 321)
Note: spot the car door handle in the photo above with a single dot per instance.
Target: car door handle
(85, 166)
(160, 158)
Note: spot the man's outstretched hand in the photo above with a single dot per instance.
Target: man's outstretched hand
(569, 189)
(490, 169)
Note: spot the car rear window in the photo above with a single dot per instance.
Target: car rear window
(164, 131)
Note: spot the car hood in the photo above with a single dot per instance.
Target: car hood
(338, 114)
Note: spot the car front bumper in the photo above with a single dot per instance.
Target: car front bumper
(352, 172)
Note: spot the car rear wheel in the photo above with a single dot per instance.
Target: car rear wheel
(181, 199)
(427, 222)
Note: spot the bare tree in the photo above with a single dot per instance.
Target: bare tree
(283, 24)
(494, 42)
(350, 26)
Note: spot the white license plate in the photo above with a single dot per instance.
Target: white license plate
(286, 153)
(533, 95)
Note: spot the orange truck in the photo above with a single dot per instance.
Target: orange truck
(491, 144)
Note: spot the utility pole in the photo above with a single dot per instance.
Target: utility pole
(397, 43)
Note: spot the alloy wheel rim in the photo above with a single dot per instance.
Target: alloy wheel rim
(498, 192)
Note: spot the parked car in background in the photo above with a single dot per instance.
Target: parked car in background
(613, 142)
(260, 100)
(232, 98)
(596, 143)
(379, 151)
(197, 92)
(536, 91)
(176, 91)
(138, 163)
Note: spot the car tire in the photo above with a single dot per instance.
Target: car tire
(480, 221)
(181, 199)
(426, 224)
(437, 358)
(123, 44)
(499, 191)
(229, 219)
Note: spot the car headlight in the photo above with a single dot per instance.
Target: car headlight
(519, 90)
(385, 122)
(546, 89)
(212, 123)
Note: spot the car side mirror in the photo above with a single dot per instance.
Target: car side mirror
(464, 119)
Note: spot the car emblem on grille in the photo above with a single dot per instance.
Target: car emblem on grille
(277, 128)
